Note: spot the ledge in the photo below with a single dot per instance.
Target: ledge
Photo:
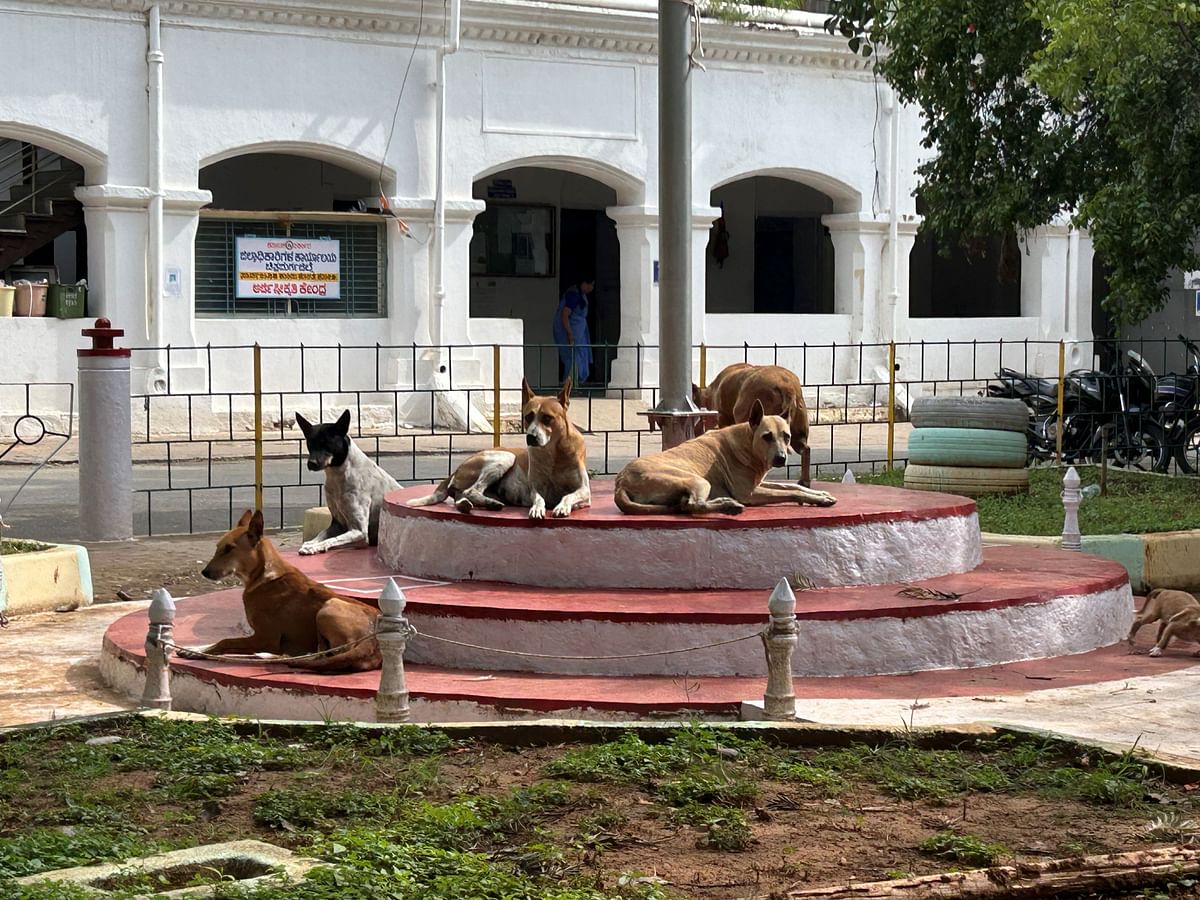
(46, 579)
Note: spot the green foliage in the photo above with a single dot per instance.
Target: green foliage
(1038, 108)
(722, 827)
(45, 849)
(964, 848)
(303, 809)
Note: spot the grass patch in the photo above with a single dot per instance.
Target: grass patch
(964, 848)
(1136, 503)
(10, 547)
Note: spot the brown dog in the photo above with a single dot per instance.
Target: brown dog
(550, 471)
(1178, 615)
(736, 388)
(727, 465)
(289, 613)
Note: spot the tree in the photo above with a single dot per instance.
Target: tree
(1040, 108)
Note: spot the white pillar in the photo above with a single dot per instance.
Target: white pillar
(157, 691)
(105, 456)
(858, 284)
(1071, 496)
(392, 632)
(637, 233)
(780, 640)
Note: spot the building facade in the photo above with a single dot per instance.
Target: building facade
(181, 127)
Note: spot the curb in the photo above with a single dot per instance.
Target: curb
(1165, 559)
(45, 580)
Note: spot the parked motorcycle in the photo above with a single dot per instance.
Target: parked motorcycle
(1103, 413)
(1177, 408)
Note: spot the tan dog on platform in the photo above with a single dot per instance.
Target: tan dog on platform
(736, 388)
(289, 613)
(1178, 615)
(550, 472)
(720, 471)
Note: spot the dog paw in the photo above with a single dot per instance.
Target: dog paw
(1156, 651)
(822, 498)
(463, 505)
(537, 511)
(561, 511)
(309, 549)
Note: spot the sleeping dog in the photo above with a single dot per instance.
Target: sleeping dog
(550, 472)
(354, 486)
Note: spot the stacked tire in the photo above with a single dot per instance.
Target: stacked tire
(973, 446)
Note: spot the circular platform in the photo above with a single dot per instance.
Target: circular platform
(874, 535)
(1024, 605)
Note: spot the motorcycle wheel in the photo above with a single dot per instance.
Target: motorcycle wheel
(1187, 453)
(1140, 445)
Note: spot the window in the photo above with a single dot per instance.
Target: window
(793, 265)
(362, 269)
(512, 240)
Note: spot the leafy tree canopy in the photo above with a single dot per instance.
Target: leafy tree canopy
(1039, 108)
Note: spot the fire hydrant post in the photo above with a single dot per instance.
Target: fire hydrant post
(1071, 496)
(105, 457)
(392, 631)
(780, 641)
(157, 693)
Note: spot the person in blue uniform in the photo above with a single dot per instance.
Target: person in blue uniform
(571, 332)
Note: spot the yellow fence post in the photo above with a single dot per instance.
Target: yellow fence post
(891, 437)
(258, 430)
(703, 367)
(1062, 378)
(495, 395)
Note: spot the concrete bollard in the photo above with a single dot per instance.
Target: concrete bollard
(157, 693)
(1071, 496)
(105, 458)
(392, 631)
(779, 643)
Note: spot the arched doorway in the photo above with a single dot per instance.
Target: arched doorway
(544, 229)
(769, 252)
(42, 233)
(266, 196)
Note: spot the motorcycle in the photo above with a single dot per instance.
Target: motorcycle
(1103, 413)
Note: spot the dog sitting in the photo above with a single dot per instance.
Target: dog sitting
(736, 388)
(719, 471)
(1178, 615)
(550, 472)
(354, 486)
(289, 613)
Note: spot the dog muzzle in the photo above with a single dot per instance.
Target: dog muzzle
(316, 465)
(781, 459)
(532, 441)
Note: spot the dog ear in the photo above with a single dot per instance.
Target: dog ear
(256, 526)
(343, 423)
(564, 395)
(696, 395)
(756, 414)
(527, 393)
(305, 425)
(245, 519)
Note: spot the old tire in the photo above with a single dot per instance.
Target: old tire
(994, 413)
(985, 447)
(970, 481)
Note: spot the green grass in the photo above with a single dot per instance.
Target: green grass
(964, 848)
(9, 547)
(1136, 503)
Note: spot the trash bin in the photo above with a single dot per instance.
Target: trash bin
(30, 299)
(7, 295)
(66, 301)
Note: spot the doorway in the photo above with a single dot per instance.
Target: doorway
(590, 249)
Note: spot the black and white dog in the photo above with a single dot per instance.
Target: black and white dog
(354, 486)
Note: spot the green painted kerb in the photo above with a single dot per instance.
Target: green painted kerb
(1126, 549)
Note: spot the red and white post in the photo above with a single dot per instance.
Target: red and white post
(105, 455)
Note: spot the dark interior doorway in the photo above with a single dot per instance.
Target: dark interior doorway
(588, 247)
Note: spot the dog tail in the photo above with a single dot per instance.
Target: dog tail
(627, 505)
(440, 493)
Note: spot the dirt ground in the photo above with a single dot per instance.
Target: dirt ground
(133, 570)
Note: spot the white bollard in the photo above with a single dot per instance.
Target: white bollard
(392, 631)
(157, 693)
(848, 477)
(1071, 539)
(779, 642)
(105, 458)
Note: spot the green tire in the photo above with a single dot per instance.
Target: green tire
(981, 447)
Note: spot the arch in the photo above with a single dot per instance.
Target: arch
(350, 160)
(845, 198)
(94, 161)
(630, 191)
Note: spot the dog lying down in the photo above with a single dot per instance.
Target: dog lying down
(719, 471)
(1178, 615)
(550, 472)
(288, 612)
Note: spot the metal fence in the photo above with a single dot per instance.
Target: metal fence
(223, 438)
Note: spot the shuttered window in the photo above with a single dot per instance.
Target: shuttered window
(363, 274)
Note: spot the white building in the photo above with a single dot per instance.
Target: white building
(276, 118)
